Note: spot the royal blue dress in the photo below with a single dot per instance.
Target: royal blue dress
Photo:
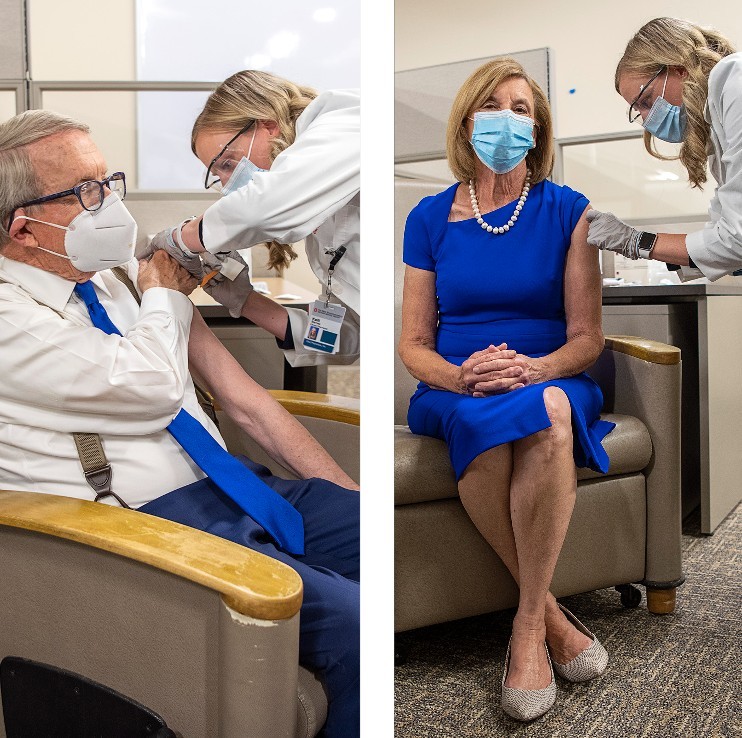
(493, 289)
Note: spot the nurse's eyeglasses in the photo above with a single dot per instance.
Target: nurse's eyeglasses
(89, 194)
(633, 112)
(208, 184)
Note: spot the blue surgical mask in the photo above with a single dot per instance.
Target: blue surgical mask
(501, 139)
(666, 121)
(242, 173)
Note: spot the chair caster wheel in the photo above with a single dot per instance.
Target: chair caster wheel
(630, 595)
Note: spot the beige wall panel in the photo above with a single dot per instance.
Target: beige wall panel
(7, 105)
(111, 117)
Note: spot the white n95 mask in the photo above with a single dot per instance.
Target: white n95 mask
(98, 240)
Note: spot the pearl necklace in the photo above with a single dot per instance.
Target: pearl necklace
(499, 229)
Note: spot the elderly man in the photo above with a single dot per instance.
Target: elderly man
(81, 355)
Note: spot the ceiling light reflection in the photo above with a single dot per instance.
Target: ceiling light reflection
(283, 44)
(325, 15)
(258, 61)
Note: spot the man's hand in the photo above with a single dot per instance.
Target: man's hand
(232, 293)
(162, 271)
(167, 241)
(492, 370)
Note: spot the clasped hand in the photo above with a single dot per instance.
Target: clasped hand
(496, 370)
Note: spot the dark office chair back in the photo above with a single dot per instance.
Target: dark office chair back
(42, 701)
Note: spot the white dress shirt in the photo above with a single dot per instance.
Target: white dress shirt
(62, 375)
(311, 192)
(717, 249)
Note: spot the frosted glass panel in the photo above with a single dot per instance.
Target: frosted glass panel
(165, 159)
(7, 105)
(111, 117)
(620, 176)
(435, 170)
(315, 42)
(139, 134)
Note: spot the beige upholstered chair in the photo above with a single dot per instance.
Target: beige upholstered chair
(332, 420)
(200, 630)
(626, 524)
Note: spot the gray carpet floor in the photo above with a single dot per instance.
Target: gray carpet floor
(672, 676)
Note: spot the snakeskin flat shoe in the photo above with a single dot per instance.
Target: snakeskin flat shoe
(586, 665)
(527, 704)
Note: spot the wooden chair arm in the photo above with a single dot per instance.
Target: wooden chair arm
(315, 405)
(642, 348)
(249, 582)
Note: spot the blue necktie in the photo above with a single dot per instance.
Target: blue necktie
(254, 496)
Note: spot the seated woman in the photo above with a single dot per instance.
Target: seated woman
(501, 316)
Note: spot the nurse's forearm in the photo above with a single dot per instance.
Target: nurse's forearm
(266, 313)
(671, 248)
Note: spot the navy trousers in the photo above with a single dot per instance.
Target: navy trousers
(329, 630)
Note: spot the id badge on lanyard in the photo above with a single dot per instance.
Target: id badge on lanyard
(325, 318)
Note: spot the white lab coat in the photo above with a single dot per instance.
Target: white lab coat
(717, 249)
(311, 192)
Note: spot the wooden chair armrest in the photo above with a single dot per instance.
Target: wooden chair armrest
(315, 405)
(642, 348)
(249, 582)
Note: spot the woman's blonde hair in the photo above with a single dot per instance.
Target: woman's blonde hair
(253, 95)
(472, 95)
(677, 43)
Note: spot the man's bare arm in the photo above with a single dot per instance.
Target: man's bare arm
(282, 437)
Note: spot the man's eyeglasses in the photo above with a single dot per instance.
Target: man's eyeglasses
(209, 184)
(633, 112)
(90, 194)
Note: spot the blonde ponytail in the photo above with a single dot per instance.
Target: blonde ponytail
(673, 42)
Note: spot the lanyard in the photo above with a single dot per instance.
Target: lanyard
(337, 254)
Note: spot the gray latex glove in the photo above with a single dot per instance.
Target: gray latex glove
(232, 293)
(165, 240)
(606, 231)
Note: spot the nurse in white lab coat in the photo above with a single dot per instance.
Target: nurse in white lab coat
(683, 83)
(287, 161)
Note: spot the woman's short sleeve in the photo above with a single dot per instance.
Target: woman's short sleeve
(418, 250)
(571, 207)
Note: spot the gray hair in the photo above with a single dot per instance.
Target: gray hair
(18, 180)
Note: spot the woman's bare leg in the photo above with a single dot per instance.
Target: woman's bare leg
(542, 497)
(485, 489)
